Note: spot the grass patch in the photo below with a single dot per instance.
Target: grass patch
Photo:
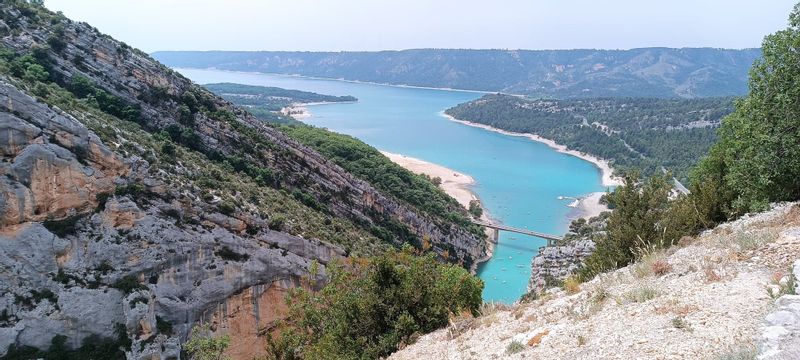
(747, 352)
(640, 295)
(572, 285)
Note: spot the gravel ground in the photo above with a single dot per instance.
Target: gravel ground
(709, 302)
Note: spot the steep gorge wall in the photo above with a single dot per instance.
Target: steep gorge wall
(95, 240)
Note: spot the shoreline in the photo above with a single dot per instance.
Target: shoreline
(454, 183)
(300, 111)
(589, 206)
(607, 174)
(348, 81)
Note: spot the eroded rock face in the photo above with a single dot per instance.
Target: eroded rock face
(556, 263)
(71, 284)
(54, 168)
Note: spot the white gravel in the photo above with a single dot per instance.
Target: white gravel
(712, 302)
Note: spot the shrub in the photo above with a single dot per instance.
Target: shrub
(129, 284)
(163, 326)
(514, 347)
(226, 207)
(661, 267)
(370, 306)
(680, 323)
(475, 208)
(276, 222)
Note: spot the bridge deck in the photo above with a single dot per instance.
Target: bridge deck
(517, 230)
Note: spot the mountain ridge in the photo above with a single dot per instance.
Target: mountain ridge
(640, 72)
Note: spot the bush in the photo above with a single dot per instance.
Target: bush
(277, 222)
(371, 306)
(129, 284)
(514, 347)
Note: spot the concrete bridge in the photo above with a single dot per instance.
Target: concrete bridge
(497, 227)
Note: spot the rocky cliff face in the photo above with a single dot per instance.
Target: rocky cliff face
(135, 204)
(554, 264)
(120, 263)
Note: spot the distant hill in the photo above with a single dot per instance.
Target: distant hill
(645, 72)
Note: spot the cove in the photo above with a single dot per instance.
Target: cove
(519, 181)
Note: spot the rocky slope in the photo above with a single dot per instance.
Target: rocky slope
(713, 297)
(135, 204)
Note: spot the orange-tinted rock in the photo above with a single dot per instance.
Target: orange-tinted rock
(537, 339)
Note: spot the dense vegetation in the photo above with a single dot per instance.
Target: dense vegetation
(642, 134)
(372, 306)
(696, 72)
(266, 102)
(756, 161)
(368, 163)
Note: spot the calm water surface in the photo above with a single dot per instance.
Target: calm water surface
(518, 180)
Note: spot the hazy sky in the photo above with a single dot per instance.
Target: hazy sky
(402, 24)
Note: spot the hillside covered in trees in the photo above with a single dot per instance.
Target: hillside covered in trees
(645, 72)
(633, 133)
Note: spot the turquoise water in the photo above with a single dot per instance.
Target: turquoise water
(518, 180)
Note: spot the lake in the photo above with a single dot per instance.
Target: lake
(518, 180)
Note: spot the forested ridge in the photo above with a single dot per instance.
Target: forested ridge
(633, 133)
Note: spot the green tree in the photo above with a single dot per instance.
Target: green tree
(203, 346)
(371, 306)
(757, 158)
(635, 225)
(475, 208)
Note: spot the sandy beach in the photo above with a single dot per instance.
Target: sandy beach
(454, 183)
(590, 206)
(607, 173)
(299, 111)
